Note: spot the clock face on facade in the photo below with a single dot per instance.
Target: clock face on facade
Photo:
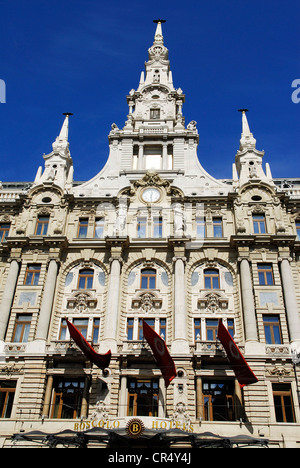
(151, 195)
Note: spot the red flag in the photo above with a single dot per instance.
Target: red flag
(239, 365)
(101, 360)
(162, 356)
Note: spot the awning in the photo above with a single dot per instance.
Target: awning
(149, 438)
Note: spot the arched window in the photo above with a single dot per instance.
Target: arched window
(85, 279)
(148, 279)
(211, 279)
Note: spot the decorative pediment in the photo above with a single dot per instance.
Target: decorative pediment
(213, 302)
(151, 179)
(82, 301)
(147, 302)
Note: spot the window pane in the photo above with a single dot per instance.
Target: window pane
(141, 227)
(83, 228)
(152, 282)
(269, 278)
(99, 228)
(261, 278)
(130, 323)
(81, 325)
(215, 282)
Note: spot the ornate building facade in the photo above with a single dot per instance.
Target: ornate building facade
(153, 236)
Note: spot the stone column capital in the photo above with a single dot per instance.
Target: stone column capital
(289, 259)
(184, 259)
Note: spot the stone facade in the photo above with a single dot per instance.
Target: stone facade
(151, 236)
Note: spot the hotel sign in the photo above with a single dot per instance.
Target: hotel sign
(124, 423)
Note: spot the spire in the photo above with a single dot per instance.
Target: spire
(158, 50)
(158, 38)
(248, 160)
(61, 143)
(247, 139)
(58, 164)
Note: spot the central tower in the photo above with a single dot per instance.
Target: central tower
(155, 113)
(154, 137)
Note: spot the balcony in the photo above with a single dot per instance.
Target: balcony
(134, 348)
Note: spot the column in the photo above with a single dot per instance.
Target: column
(123, 396)
(165, 164)
(199, 399)
(141, 157)
(290, 300)
(180, 343)
(85, 396)
(112, 310)
(8, 296)
(248, 301)
(48, 394)
(161, 398)
(47, 302)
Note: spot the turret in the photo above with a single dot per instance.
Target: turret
(58, 164)
(248, 160)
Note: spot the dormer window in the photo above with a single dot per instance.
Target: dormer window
(154, 114)
(42, 224)
(259, 223)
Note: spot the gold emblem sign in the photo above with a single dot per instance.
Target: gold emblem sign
(135, 428)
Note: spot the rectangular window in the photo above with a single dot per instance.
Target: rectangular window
(7, 395)
(96, 329)
(218, 399)
(265, 275)
(32, 275)
(163, 328)
(272, 329)
(143, 397)
(130, 325)
(211, 279)
(283, 403)
(148, 279)
(83, 228)
(157, 227)
(67, 398)
(155, 114)
(4, 231)
(22, 328)
(81, 325)
(201, 227)
(99, 228)
(63, 330)
(211, 329)
(153, 157)
(230, 327)
(85, 279)
(42, 226)
(150, 322)
(141, 227)
(298, 230)
(197, 329)
(259, 224)
(217, 227)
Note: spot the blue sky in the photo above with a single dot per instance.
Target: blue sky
(84, 56)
